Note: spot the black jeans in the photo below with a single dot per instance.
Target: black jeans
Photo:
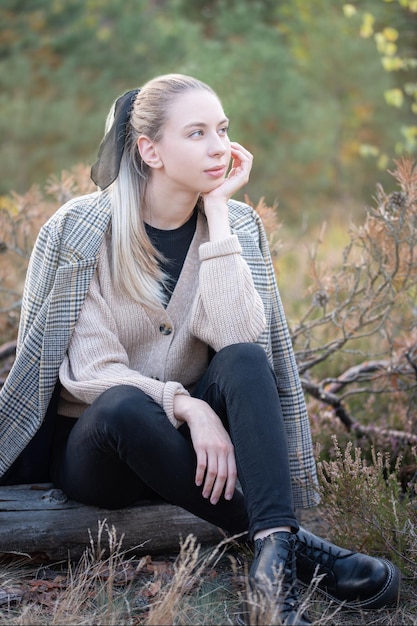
(123, 448)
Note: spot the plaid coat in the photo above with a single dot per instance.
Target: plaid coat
(62, 264)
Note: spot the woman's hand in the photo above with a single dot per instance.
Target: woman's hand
(216, 464)
(215, 202)
(237, 177)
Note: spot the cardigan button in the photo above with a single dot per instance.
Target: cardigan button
(165, 329)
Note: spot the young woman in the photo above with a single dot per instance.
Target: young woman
(154, 357)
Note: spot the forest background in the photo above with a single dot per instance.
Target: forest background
(305, 84)
(324, 94)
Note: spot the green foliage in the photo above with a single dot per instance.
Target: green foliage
(396, 44)
(303, 90)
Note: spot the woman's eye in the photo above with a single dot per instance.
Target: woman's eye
(224, 130)
(197, 133)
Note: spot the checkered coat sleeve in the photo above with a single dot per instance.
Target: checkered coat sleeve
(60, 269)
(62, 264)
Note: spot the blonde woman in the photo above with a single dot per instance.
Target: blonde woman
(154, 358)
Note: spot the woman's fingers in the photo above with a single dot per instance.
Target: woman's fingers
(201, 466)
(220, 480)
(241, 166)
(225, 479)
(212, 477)
(220, 475)
(238, 149)
(241, 159)
(231, 476)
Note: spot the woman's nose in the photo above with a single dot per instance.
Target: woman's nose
(217, 145)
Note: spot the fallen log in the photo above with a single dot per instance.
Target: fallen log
(40, 522)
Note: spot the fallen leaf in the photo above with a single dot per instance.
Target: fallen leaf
(153, 588)
(160, 567)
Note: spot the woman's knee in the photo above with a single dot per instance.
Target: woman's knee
(119, 404)
(241, 354)
(244, 363)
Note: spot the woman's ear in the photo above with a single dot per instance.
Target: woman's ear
(148, 152)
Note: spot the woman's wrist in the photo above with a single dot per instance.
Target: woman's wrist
(181, 407)
(217, 214)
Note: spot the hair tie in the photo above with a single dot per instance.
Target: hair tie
(106, 169)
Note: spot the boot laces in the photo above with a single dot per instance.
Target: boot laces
(320, 555)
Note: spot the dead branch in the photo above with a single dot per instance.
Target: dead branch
(352, 425)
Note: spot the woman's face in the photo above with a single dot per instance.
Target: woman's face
(195, 149)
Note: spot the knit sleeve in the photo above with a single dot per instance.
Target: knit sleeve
(227, 309)
(96, 360)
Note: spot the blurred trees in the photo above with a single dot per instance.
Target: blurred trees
(396, 44)
(62, 64)
(303, 89)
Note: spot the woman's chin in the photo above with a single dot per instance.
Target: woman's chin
(211, 186)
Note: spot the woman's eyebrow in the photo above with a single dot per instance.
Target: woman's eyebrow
(204, 124)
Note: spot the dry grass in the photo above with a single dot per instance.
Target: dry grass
(204, 586)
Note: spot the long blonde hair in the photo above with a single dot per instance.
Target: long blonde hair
(135, 267)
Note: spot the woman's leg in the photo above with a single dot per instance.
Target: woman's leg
(123, 448)
(241, 388)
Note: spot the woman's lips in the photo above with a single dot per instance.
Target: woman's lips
(216, 172)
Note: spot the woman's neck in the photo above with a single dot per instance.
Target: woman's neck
(168, 210)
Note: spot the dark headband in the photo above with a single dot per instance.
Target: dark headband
(106, 169)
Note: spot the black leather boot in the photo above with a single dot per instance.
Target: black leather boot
(273, 590)
(358, 580)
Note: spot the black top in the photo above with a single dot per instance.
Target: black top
(173, 245)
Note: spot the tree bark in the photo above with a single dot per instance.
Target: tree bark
(40, 522)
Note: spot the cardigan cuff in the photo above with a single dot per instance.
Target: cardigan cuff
(220, 247)
(171, 389)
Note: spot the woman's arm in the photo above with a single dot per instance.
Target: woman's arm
(228, 308)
